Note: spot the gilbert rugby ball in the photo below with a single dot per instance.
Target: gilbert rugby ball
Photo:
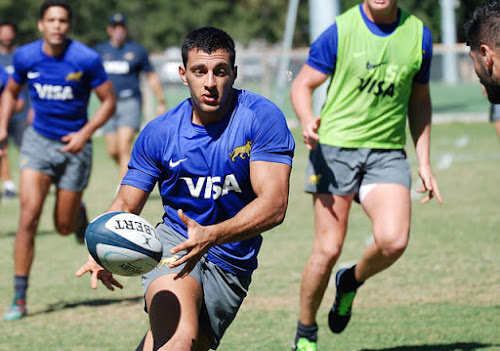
(123, 243)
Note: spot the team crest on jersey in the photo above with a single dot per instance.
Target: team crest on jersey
(74, 76)
(129, 56)
(241, 151)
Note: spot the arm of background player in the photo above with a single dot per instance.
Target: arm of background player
(76, 141)
(419, 119)
(7, 106)
(301, 96)
(155, 84)
(129, 199)
(263, 213)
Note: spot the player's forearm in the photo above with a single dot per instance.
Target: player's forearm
(7, 105)
(260, 215)
(302, 102)
(101, 115)
(155, 83)
(419, 116)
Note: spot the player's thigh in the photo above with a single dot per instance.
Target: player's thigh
(389, 208)
(173, 306)
(34, 186)
(331, 213)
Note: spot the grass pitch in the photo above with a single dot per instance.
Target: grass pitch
(442, 295)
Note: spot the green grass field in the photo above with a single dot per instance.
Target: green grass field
(442, 295)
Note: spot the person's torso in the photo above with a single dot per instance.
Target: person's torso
(123, 66)
(59, 87)
(367, 100)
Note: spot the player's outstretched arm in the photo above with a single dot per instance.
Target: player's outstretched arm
(270, 181)
(98, 273)
(419, 118)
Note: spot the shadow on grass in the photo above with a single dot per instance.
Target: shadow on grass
(39, 232)
(95, 303)
(457, 346)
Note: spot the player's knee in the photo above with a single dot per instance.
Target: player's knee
(64, 228)
(393, 249)
(325, 257)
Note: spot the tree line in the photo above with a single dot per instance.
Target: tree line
(158, 24)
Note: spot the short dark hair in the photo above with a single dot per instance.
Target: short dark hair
(208, 39)
(484, 26)
(8, 22)
(50, 3)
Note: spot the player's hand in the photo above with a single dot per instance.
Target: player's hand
(196, 245)
(429, 184)
(74, 142)
(98, 273)
(310, 133)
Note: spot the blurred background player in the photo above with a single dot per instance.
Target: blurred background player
(495, 117)
(222, 159)
(61, 73)
(19, 120)
(124, 60)
(379, 58)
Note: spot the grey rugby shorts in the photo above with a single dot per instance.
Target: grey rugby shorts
(128, 114)
(68, 171)
(223, 292)
(342, 171)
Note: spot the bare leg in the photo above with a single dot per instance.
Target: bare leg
(389, 208)
(331, 214)
(66, 211)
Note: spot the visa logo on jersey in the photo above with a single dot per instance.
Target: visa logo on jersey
(212, 187)
(54, 92)
(116, 67)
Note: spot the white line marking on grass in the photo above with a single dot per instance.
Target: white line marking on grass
(462, 141)
(445, 161)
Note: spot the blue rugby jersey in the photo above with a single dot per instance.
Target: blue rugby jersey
(323, 52)
(205, 170)
(59, 86)
(123, 66)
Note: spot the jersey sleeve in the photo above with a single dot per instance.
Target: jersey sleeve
(273, 140)
(145, 62)
(144, 168)
(20, 68)
(97, 73)
(424, 74)
(323, 52)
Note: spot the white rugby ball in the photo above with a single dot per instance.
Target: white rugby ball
(123, 243)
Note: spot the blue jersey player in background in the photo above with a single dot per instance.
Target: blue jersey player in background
(60, 74)
(19, 120)
(222, 161)
(124, 60)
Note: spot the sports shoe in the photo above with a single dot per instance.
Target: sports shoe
(304, 345)
(9, 194)
(84, 222)
(340, 314)
(16, 311)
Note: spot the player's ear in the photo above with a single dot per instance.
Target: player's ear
(40, 26)
(487, 54)
(182, 74)
(235, 72)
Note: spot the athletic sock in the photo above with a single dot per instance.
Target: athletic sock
(20, 287)
(9, 185)
(348, 282)
(310, 332)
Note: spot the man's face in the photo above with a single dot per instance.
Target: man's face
(486, 77)
(117, 33)
(54, 25)
(382, 6)
(7, 36)
(210, 78)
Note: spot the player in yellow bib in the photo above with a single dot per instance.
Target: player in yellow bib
(378, 57)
